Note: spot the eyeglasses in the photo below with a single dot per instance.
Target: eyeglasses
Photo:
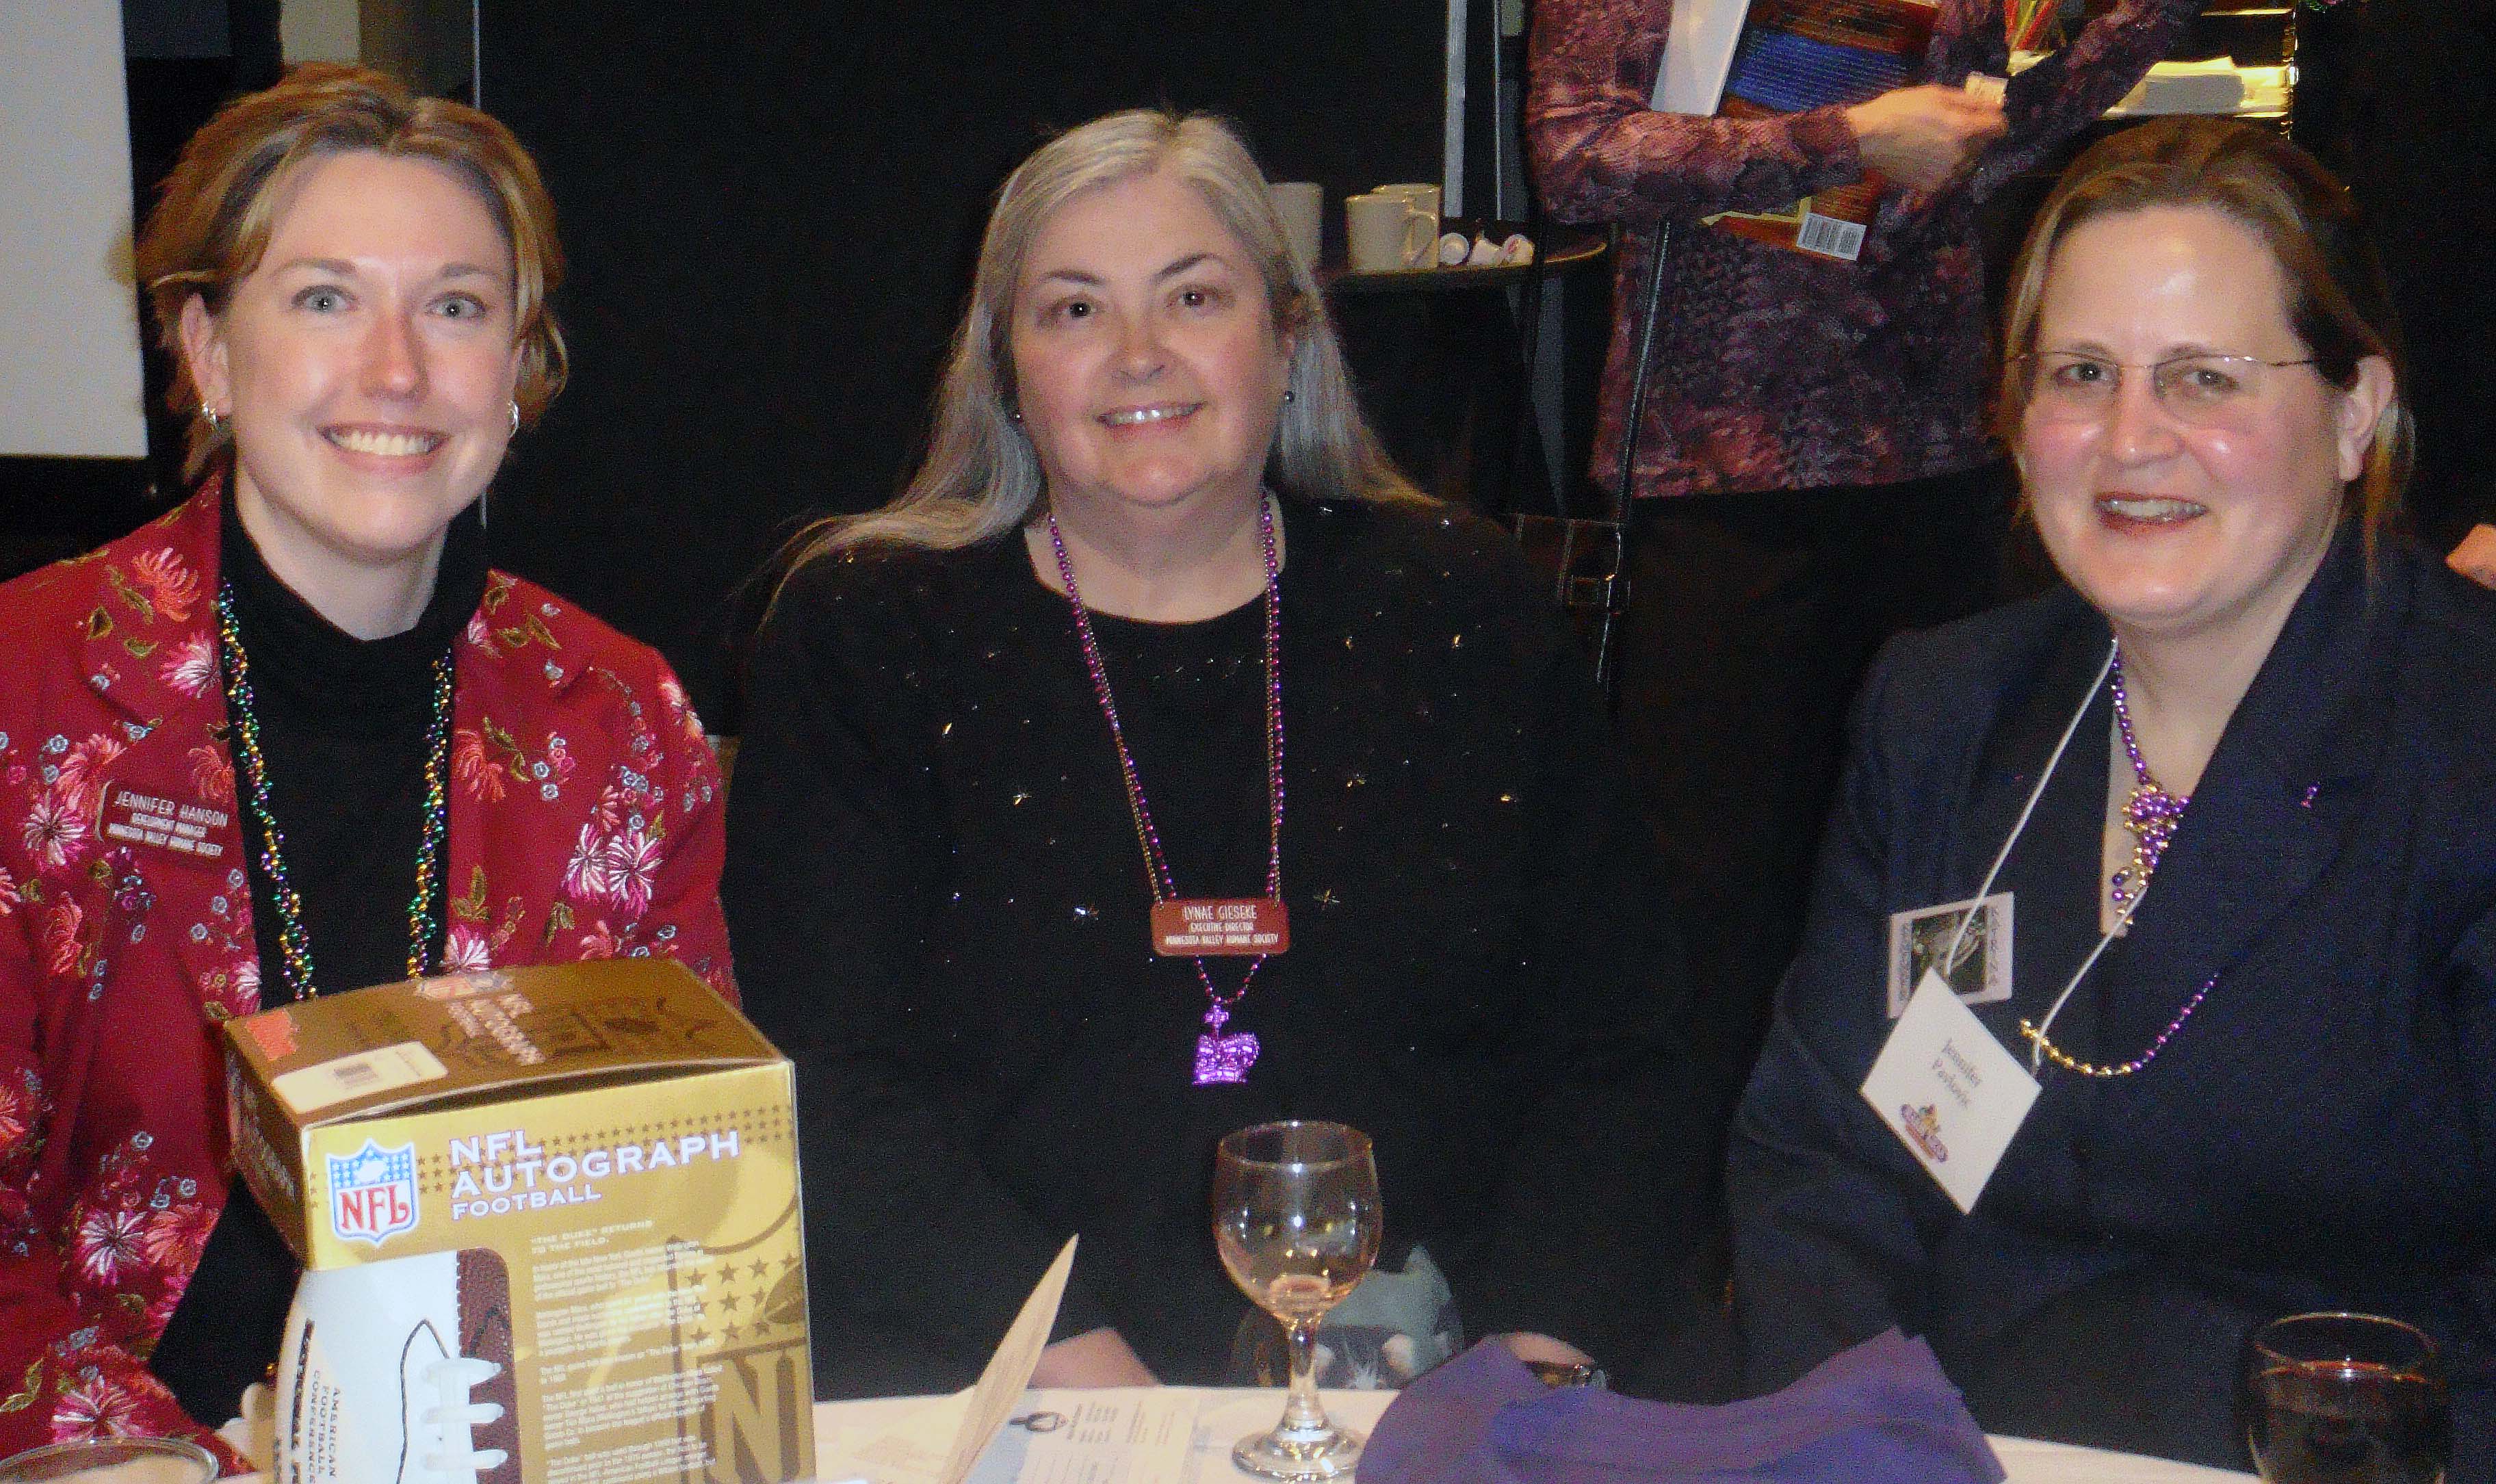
(2199, 391)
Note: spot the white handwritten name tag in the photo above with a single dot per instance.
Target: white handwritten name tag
(1949, 1091)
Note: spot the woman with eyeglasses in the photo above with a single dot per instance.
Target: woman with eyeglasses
(2236, 777)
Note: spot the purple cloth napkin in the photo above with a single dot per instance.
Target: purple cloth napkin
(1880, 1413)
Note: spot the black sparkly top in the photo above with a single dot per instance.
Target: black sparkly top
(940, 909)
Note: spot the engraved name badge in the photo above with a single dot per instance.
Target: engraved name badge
(1214, 927)
(180, 827)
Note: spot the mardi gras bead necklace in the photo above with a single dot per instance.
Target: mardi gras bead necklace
(241, 707)
(1219, 1057)
(2151, 813)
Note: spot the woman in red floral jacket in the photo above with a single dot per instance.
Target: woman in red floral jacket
(381, 757)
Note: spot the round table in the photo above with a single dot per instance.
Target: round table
(1224, 1413)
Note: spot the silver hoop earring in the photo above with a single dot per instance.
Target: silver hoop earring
(516, 420)
(216, 423)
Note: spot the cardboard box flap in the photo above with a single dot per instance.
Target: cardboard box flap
(552, 1214)
(426, 1042)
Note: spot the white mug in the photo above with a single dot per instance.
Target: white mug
(1420, 194)
(1386, 232)
(1302, 205)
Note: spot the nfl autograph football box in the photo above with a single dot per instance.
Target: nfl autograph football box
(595, 1166)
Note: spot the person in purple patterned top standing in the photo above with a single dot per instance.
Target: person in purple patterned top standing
(1819, 425)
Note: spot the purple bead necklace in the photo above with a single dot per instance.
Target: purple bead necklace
(1219, 1057)
(2151, 813)
(2070, 1063)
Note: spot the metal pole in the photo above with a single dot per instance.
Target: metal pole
(1651, 308)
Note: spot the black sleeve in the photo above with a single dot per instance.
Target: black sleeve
(1829, 1243)
(1606, 1188)
(2470, 1359)
(917, 1261)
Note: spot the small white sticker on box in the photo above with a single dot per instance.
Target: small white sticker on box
(307, 1089)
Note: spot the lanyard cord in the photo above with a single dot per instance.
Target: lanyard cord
(2037, 1042)
(2087, 698)
(2040, 1046)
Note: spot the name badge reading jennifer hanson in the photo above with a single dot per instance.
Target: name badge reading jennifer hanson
(1209, 927)
(1949, 1091)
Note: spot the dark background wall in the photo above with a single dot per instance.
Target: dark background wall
(2398, 97)
(772, 210)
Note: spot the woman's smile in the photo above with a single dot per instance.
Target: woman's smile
(389, 444)
(1151, 415)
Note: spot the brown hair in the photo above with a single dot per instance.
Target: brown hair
(213, 220)
(2338, 304)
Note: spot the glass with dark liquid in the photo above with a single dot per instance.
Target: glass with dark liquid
(2346, 1399)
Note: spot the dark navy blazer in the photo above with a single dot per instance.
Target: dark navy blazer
(2320, 1134)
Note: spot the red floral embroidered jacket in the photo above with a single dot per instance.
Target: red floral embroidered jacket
(586, 822)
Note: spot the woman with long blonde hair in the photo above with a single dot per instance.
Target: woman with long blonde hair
(1158, 625)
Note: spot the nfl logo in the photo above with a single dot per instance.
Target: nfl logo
(372, 1193)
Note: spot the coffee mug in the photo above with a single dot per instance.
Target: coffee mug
(1302, 205)
(1386, 232)
(1420, 193)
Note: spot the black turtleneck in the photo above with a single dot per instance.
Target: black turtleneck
(342, 724)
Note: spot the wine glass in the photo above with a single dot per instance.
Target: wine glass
(2346, 1399)
(1296, 1219)
(95, 1460)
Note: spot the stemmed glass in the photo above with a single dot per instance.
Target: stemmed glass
(1296, 1219)
(2346, 1399)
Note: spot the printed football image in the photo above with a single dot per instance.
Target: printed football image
(400, 1371)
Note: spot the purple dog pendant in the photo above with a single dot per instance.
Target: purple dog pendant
(1220, 1058)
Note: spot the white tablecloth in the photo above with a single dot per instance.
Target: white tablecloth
(1227, 1415)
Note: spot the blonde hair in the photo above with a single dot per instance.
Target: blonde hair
(219, 205)
(2339, 306)
(981, 476)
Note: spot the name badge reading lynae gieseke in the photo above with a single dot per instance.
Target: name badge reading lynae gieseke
(1216, 927)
